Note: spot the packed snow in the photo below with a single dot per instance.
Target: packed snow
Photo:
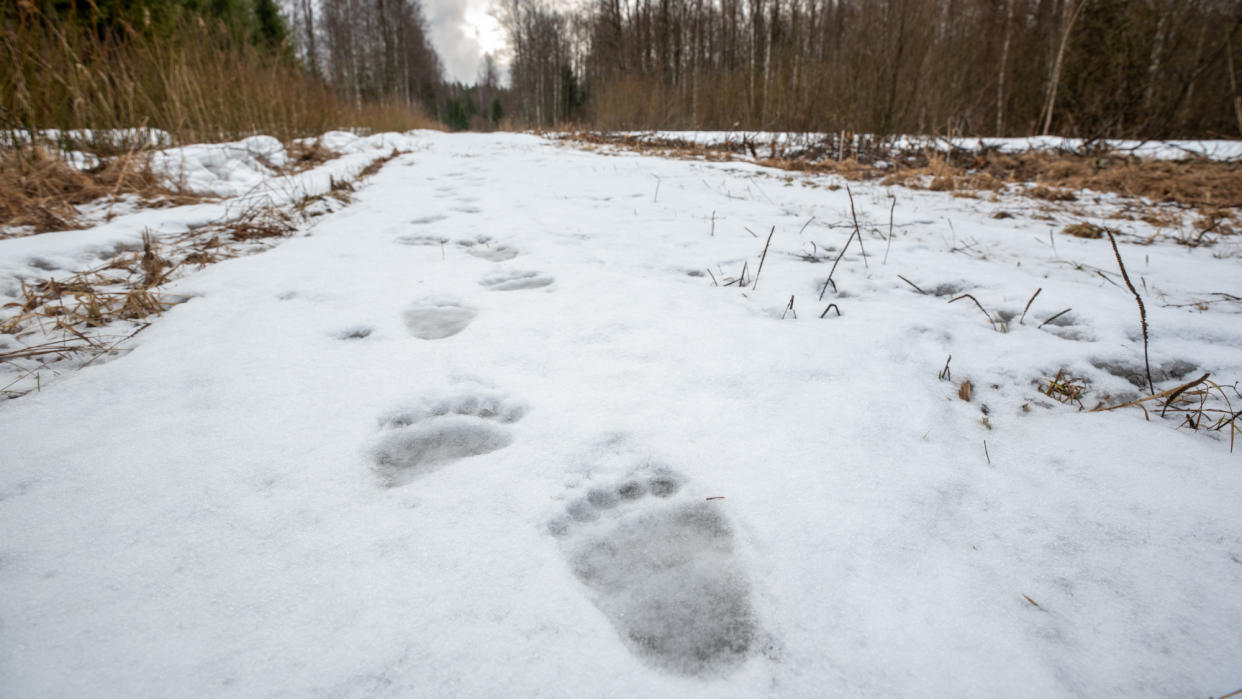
(509, 425)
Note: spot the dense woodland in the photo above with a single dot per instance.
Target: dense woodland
(1090, 68)
(210, 69)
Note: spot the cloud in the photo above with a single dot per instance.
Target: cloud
(461, 31)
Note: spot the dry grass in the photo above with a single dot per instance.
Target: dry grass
(1084, 230)
(304, 156)
(1200, 405)
(205, 86)
(1065, 388)
(41, 191)
(1214, 189)
(375, 165)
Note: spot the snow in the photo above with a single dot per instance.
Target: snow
(229, 171)
(1223, 150)
(241, 168)
(493, 429)
(117, 138)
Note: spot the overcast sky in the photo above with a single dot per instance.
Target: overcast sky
(462, 31)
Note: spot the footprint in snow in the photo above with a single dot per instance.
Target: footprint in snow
(419, 441)
(422, 240)
(661, 567)
(435, 319)
(359, 332)
(512, 280)
(483, 247)
(465, 209)
(428, 219)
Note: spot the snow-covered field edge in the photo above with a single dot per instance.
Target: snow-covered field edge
(106, 291)
(768, 143)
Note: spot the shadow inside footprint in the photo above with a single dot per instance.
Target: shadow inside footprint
(484, 248)
(428, 219)
(426, 240)
(515, 280)
(435, 319)
(496, 253)
(418, 442)
(664, 573)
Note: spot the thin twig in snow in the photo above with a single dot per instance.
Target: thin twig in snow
(981, 308)
(790, 308)
(857, 231)
(755, 284)
(1028, 304)
(1105, 278)
(889, 244)
(916, 286)
(1053, 317)
(1142, 308)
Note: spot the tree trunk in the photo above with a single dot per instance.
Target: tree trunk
(1053, 84)
(1233, 83)
(1000, 73)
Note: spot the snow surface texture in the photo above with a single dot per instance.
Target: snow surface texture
(247, 166)
(372, 463)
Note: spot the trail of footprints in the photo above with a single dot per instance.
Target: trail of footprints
(659, 564)
(435, 318)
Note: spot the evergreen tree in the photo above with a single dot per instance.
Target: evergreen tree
(498, 112)
(456, 117)
(269, 26)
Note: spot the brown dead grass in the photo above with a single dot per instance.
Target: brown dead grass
(1212, 188)
(375, 165)
(1084, 230)
(42, 191)
(305, 156)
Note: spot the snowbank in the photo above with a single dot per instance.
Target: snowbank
(221, 169)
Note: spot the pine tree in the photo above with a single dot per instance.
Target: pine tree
(269, 25)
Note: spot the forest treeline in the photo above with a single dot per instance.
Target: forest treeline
(217, 69)
(1087, 68)
(207, 70)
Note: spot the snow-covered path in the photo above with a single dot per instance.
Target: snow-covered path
(493, 431)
